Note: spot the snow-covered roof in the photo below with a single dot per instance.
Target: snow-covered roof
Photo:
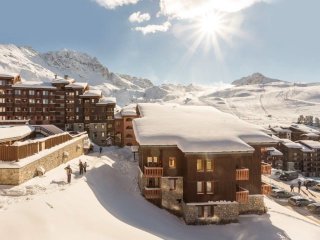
(274, 152)
(304, 128)
(77, 85)
(12, 133)
(107, 100)
(63, 81)
(92, 93)
(129, 110)
(311, 134)
(288, 143)
(34, 84)
(280, 130)
(311, 144)
(6, 76)
(196, 129)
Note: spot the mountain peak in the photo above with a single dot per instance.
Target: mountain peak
(255, 78)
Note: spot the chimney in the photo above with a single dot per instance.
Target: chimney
(66, 77)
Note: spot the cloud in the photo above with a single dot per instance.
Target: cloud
(154, 28)
(183, 9)
(111, 4)
(138, 17)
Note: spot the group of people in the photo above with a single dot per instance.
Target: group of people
(299, 187)
(82, 169)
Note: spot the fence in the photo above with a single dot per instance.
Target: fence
(16, 152)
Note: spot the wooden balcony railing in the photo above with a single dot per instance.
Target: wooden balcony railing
(242, 195)
(153, 171)
(152, 193)
(265, 189)
(242, 174)
(265, 168)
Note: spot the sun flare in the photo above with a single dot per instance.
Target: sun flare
(210, 24)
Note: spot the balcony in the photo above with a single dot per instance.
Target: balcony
(153, 171)
(152, 193)
(265, 189)
(265, 168)
(242, 195)
(242, 174)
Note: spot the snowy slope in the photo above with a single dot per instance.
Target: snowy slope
(106, 204)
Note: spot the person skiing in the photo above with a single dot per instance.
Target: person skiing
(292, 188)
(69, 172)
(299, 186)
(85, 167)
(80, 167)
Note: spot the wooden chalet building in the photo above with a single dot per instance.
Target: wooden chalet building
(124, 135)
(200, 163)
(68, 104)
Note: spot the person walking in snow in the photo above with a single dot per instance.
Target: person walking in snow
(80, 167)
(292, 188)
(69, 172)
(85, 167)
(299, 186)
(100, 150)
(307, 186)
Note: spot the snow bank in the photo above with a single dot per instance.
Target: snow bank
(9, 133)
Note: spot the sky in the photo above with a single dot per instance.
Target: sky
(176, 41)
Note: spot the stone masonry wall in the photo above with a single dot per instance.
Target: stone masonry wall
(255, 205)
(171, 199)
(15, 176)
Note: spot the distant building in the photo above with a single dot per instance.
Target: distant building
(201, 163)
(303, 132)
(124, 135)
(281, 132)
(70, 105)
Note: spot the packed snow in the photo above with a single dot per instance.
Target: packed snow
(10, 133)
(195, 129)
(105, 204)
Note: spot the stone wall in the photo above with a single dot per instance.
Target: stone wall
(255, 205)
(171, 199)
(15, 176)
(225, 212)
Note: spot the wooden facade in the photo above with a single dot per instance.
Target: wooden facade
(63, 102)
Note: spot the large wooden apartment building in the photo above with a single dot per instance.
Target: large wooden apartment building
(68, 104)
(200, 163)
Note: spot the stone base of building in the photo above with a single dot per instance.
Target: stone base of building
(20, 172)
(223, 213)
(255, 205)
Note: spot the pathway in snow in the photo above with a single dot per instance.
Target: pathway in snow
(105, 204)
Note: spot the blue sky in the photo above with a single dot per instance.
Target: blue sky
(279, 38)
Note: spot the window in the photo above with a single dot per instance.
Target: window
(128, 120)
(95, 135)
(172, 162)
(45, 101)
(95, 126)
(92, 100)
(102, 126)
(17, 92)
(208, 211)
(109, 125)
(2, 100)
(200, 211)
(209, 165)
(152, 160)
(209, 187)
(87, 118)
(102, 134)
(172, 184)
(45, 93)
(200, 187)
(109, 117)
(200, 165)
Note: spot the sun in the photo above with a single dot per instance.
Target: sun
(210, 24)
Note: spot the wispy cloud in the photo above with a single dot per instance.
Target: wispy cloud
(139, 17)
(111, 4)
(154, 28)
(183, 9)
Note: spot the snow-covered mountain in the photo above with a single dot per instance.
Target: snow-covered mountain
(32, 65)
(256, 78)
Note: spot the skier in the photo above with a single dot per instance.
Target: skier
(85, 167)
(69, 172)
(80, 167)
